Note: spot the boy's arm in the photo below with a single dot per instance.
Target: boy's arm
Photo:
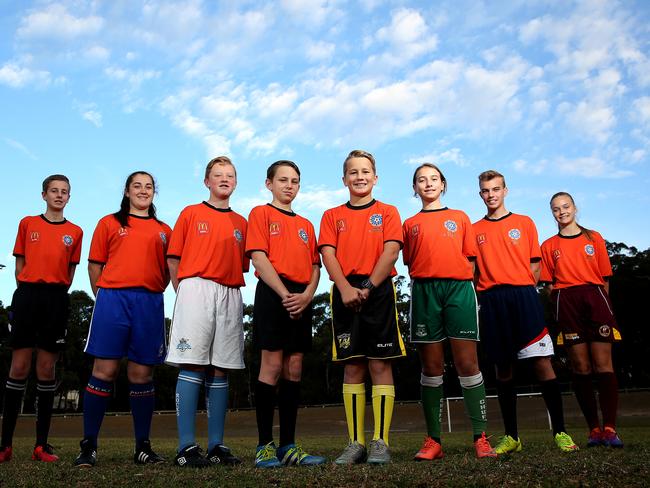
(94, 272)
(384, 266)
(71, 269)
(349, 295)
(20, 264)
(296, 303)
(536, 268)
(172, 264)
(268, 274)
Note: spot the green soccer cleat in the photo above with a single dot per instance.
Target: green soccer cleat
(565, 443)
(507, 445)
(265, 456)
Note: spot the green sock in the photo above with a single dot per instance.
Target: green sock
(474, 398)
(432, 404)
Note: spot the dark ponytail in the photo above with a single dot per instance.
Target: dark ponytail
(584, 230)
(122, 215)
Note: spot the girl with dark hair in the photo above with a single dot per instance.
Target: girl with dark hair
(128, 274)
(576, 267)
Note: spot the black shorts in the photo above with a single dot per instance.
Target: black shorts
(371, 333)
(273, 329)
(39, 316)
(584, 314)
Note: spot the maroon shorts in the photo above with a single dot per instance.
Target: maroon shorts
(584, 314)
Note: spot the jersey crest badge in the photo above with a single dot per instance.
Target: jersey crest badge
(340, 225)
(183, 344)
(557, 254)
(481, 239)
(163, 237)
(123, 232)
(376, 220)
(451, 226)
(303, 235)
(344, 341)
(604, 330)
(238, 235)
(202, 227)
(589, 249)
(34, 236)
(420, 330)
(274, 228)
(68, 240)
(514, 234)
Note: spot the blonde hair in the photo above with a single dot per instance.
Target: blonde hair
(490, 174)
(221, 161)
(360, 153)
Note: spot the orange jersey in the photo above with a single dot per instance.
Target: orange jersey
(438, 243)
(210, 244)
(358, 234)
(132, 256)
(575, 260)
(287, 239)
(506, 247)
(49, 248)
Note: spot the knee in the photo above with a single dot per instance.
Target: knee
(19, 370)
(466, 368)
(140, 377)
(355, 373)
(292, 370)
(105, 372)
(45, 371)
(270, 371)
(504, 372)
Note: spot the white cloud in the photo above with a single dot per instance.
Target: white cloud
(135, 78)
(320, 51)
(312, 12)
(593, 120)
(17, 76)
(97, 53)
(589, 167)
(642, 110)
(318, 198)
(21, 147)
(93, 116)
(525, 167)
(453, 156)
(54, 21)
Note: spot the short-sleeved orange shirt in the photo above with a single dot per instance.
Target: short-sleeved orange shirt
(506, 247)
(49, 248)
(210, 244)
(438, 243)
(358, 234)
(133, 256)
(287, 239)
(575, 260)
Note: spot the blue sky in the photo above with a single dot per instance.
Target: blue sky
(554, 94)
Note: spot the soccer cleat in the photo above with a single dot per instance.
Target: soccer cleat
(5, 454)
(88, 455)
(354, 453)
(595, 437)
(221, 454)
(44, 453)
(610, 438)
(293, 455)
(191, 457)
(507, 445)
(143, 454)
(429, 451)
(378, 452)
(483, 447)
(265, 457)
(565, 443)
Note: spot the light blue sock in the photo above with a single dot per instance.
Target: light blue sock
(216, 402)
(188, 387)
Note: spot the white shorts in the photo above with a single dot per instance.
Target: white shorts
(208, 325)
(540, 348)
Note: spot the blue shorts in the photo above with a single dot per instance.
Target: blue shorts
(511, 319)
(128, 322)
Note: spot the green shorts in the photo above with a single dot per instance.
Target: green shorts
(443, 308)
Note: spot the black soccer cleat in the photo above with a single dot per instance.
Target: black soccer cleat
(191, 457)
(145, 455)
(221, 454)
(88, 455)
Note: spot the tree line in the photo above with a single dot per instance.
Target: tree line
(322, 379)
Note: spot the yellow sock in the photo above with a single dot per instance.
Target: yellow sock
(354, 399)
(383, 399)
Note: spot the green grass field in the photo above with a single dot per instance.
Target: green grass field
(539, 464)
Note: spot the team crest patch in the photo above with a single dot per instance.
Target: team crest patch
(451, 226)
(274, 228)
(302, 233)
(514, 234)
(589, 250)
(604, 330)
(415, 230)
(420, 330)
(481, 239)
(238, 235)
(340, 225)
(68, 240)
(123, 232)
(183, 344)
(34, 236)
(376, 220)
(163, 237)
(344, 341)
(556, 254)
(202, 227)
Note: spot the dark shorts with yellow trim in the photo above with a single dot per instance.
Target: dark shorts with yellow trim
(39, 316)
(273, 329)
(372, 332)
(584, 313)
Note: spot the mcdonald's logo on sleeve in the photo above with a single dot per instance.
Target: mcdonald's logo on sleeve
(202, 228)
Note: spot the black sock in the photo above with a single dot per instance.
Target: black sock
(264, 407)
(45, 400)
(288, 401)
(508, 404)
(553, 399)
(14, 390)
